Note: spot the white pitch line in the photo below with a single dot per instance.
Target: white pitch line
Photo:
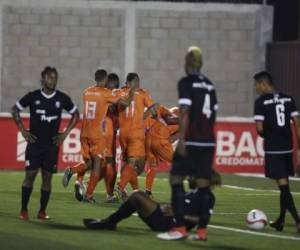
(254, 233)
(254, 189)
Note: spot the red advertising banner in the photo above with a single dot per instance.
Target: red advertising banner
(238, 149)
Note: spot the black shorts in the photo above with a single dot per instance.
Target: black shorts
(279, 166)
(157, 221)
(41, 156)
(198, 162)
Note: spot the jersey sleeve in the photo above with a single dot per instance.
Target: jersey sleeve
(258, 111)
(24, 101)
(148, 101)
(69, 106)
(294, 111)
(185, 97)
(114, 96)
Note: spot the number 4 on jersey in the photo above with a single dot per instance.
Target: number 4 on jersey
(206, 106)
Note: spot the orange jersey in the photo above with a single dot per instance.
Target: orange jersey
(96, 101)
(131, 117)
(160, 129)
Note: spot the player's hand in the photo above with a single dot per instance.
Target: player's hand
(181, 148)
(29, 137)
(58, 139)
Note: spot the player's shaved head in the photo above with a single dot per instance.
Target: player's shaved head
(193, 59)
(100, 75)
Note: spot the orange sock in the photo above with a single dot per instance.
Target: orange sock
(80, 177)
(110, 178)
(126, 175)
(134, 180)
(94, 178)
(79, 168)
(150, 178)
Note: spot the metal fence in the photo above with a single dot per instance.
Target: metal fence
(283, 60)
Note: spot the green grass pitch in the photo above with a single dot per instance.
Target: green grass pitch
(65, 229)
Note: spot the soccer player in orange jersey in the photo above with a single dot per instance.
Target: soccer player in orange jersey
(96, 100)
(132, 135)
(109, 126)
(158, 142)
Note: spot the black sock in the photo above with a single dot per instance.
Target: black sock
(288, 201)
(206, 201)
(26, 192)
(283, 205)
(178, 195)
(124, 211)
(45, 195)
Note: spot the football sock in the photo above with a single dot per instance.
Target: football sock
(80, 177)
(126, 175)
(79, 168)
(177, 200)
(124, 211)
(150, 178)
(93, 181)
(287, 200)
(110, 178)
(26, 192)
(207, 201)
(45, 195)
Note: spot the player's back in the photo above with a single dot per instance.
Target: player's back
(199, 93)
(275, 110)
(131, 117)
(96, 100)
(160, 128)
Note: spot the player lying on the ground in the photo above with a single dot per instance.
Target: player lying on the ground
(160, 217)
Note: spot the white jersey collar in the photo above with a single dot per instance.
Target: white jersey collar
(48, 96)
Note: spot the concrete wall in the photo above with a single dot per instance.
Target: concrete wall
(77, 37)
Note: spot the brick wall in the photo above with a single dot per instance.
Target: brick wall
(150, 38)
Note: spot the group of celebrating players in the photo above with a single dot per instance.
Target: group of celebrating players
(146, 131)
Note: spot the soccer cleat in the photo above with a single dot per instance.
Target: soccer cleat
(67, 177)
(43, 216)
(278, 225)
(111, 198)
(177, 233)
(78, 192)
(99, 224)
(122, 195)
(90, 200)
(24, 215)
(200, 235)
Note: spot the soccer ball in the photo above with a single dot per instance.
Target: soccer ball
(256, 219)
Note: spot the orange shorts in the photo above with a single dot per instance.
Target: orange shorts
(158, 150)
(93, 147)
(132, 143)
(111, 145)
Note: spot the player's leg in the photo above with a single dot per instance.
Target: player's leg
(27, 188)
(79, 187)
(33, 163)
(49, 167)
(95, 177)
(279, 167)
(80, 168)
(110, 178)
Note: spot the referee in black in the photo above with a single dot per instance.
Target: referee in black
(195, 150)
(43, 137)
(273, 113)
